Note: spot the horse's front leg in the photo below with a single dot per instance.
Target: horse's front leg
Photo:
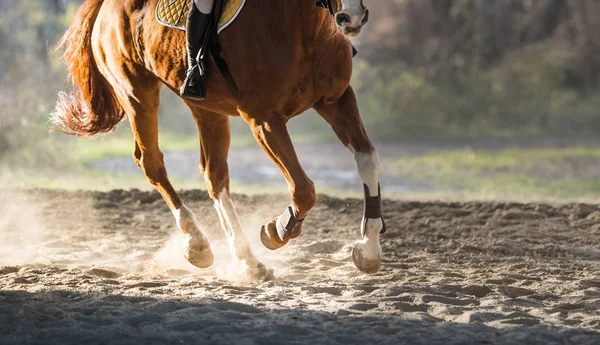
(271, 133)
(344, 118)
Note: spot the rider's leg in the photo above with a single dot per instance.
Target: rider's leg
(194, 86)
(205, 6)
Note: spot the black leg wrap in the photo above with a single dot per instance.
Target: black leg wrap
(288, 223)
(372, 208)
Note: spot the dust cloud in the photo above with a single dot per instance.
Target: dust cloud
(22, 233)
(45, 228)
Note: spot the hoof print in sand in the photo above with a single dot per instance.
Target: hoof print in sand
(102, 273)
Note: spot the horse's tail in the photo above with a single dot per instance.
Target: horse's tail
(92, 107)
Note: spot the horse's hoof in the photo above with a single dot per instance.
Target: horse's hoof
(363, 263)
(269, 237)
(296, 232)
(201, 257)
(260, 274)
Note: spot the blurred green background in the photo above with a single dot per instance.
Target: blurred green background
(502, 98)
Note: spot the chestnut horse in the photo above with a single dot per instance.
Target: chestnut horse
(285, 57)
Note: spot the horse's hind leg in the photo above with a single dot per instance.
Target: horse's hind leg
(344, 118)
(140, 101)
(214, 142)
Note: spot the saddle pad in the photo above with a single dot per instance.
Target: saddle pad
(173, 13)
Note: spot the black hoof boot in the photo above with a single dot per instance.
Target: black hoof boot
(194, 86)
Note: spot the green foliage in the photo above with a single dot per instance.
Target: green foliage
(513, 174)
(480, 68)
(30, 75)
(526, 93)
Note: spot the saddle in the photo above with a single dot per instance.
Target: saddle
(172, 13)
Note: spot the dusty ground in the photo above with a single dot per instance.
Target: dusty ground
(100, 268)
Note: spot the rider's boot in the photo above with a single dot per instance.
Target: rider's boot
(194, 86)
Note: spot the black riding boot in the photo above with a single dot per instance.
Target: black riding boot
(194, 86)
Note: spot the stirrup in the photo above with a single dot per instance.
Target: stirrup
(193, 86)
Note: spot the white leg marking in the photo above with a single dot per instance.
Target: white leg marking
(369, 245)
(368, 169)
(186, 222)
(231, 224)
(196, 246)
